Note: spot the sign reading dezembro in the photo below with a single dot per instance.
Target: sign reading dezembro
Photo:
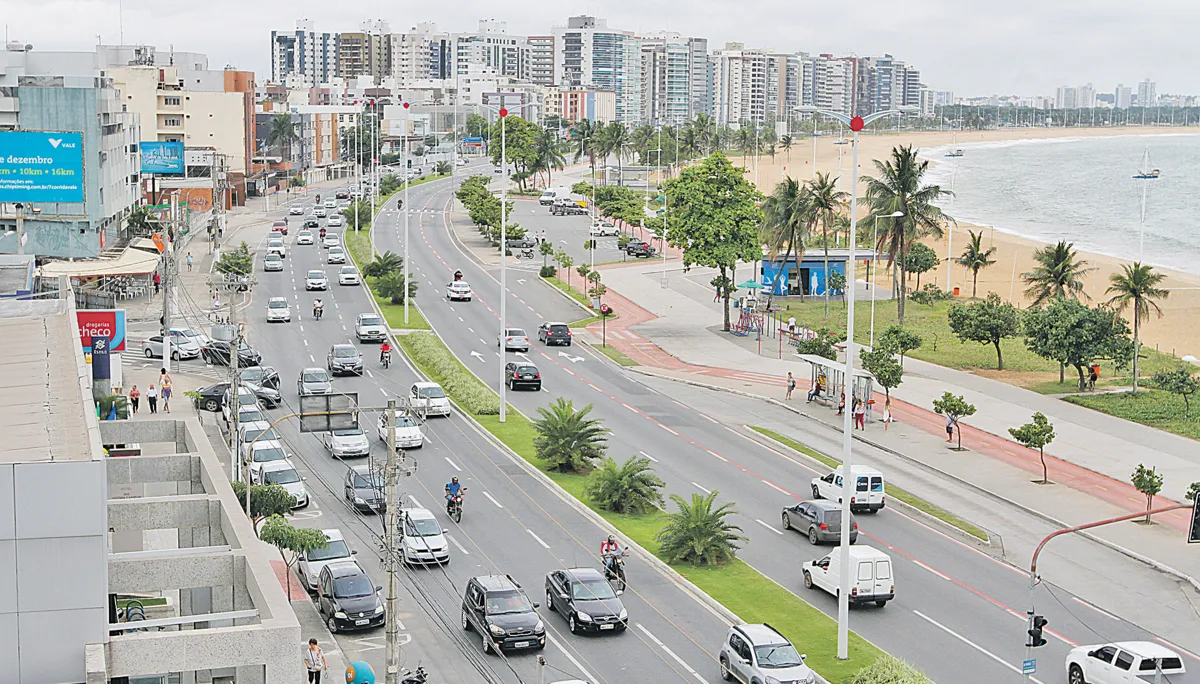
(37, 166)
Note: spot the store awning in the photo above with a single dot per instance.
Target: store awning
(131, 262)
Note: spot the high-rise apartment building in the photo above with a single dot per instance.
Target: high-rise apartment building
(666, 79)
(590, 55)
(889, 84)
(366, 52)
(303, 53)
(749, 85)
(491, 50)
(599, 106)
(1087, 96)
(541, 60)
(1123, 97)
(1066, 97)
(827, 83)
(1147, 96)
(700, 83)
(422, 53)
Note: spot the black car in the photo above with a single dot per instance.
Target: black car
(586, 600)
(821, 521)
(212, 398)
(522, 375)
(217, 353)
(365, 488)
(554, 333)
(347, 599)
(344, 358)
(639, 248)
(312, 223)
(497, 608)
(342, 194)
(263, 376)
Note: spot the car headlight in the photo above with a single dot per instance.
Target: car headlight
(496, 629)
(811, 678)
(359, 501)
(379, 609)
(340, 615)
(771, 680)
(624, 614)
(583, 617)
(539, 627)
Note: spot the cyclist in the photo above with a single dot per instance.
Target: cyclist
(385, 350)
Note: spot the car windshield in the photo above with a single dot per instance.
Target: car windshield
(527, 369)
(316, 275)
(335, 250)
(187, 332)
(336, 549)
(269, 454)
(777, 656)
(349, 270)
(273, 257)
(247, 398)
(592, 590)
(353, 586)
(422, 527)
(346, 351)
(278, 304)
(356, 432)
(251, 374)
(250, 415)
(274, 243)
(363, 480)
(505, 602)
(315, 375)
(370, 320)
(288, 476)
(432, 392)
(267, 433)
(403, 420)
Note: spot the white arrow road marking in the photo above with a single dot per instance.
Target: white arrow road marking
(537, 538)
(521, 280)
(493, 500)
(972, 644)
(572, 359)
(477, 355)
(671, 653)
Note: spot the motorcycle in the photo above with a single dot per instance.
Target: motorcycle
(317, 311)
(454, 506)
(386, 359)
(614, 570)
(415, 677)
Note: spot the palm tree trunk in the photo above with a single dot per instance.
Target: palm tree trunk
(974, 282)
(725, 298)
(900, 285)
(1137, 320)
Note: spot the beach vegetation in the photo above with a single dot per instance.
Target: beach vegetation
(1136, 284)
(930, 295)
(631, 487)
(1074, 334)
(1057, 273)
(881, 362)
(785, 221)
(568, 440)
(987, 322)
(825, 203)
(921, 259)
(1036, 435)
(975, 258)
(900, 340)
(1179, 381)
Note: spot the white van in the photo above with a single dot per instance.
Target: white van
(868, 489)
(552, 194)
(871, 578)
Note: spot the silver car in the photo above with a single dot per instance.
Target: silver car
(314, 381)
(181, 348)
(278, 310)
(369, 328)
(513, 339)
(347, 443)
(758, 653)
(336, 256)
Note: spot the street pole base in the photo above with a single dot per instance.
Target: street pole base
(664, 283)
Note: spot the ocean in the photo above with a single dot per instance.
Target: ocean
(1082, 190)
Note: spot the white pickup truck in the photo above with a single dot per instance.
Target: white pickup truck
(1121, 662)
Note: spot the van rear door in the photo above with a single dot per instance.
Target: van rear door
(876, 493)
(884, 583)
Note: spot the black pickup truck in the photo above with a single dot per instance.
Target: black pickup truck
(639, 248)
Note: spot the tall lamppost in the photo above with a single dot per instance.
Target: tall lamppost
(856, 124)
(404, 165)
(875, 268)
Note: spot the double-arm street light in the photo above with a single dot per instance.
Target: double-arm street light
(856, 124)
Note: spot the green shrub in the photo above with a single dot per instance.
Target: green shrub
(548, 272)
(889, 670)
(443, 368)
(929, 295)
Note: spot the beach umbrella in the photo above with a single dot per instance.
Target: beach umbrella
(749, 285)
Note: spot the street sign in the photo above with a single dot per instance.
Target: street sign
(328, 412)
(1029, 666)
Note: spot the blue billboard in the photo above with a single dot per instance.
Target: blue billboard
(40, 166)
(162, 157)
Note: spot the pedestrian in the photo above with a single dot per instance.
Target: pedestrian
(314, 662)
(817, 388)
(216, 300)
(189, 261)
(949, 428)
(887, 414)
(157, 278)
(792, 326)
(166, 395)
(860, 414)
(152, 399)
(842, 404)
(716, 294)
(134, 397)
(164, 378)
(791, 385)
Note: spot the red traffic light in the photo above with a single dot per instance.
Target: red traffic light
(503, 112)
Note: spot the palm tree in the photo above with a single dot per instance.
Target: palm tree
(1137, 284)
(786, 143)
(547, 152)
(785, 225)
(689, 141)
(614, 139)
(140, 222)
(975, 257)
(705, 132)
(283, 132)
(443, 168)
(900, 187)
(586, 134)
(568, 441)
(1058, 273)
(698, 533)
(383, 264)
(825, 201)
(631, 487)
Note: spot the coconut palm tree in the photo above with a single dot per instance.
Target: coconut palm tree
(1059, 273)
(698, 533)
(976, 258)
(283, 132)
(1137, 284)
(568, 440)
(614, 140)
(705, 132)
(785, 225)
(586, 134)
(689, 141)
(786, 143)
(548, 153)
(631, 487)
(900, 187)
(825, 202)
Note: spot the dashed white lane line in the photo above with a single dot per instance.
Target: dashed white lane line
(667, 429)
(471, 329)
(1098, 610)
(713, 453)
(453, 464)
(306, 343)
(310, 358)
(493, 500)
(776, 487)
(383, 391)
(369, 373)
(648, 456)
(972, 644)
(457, 545)
(769, 526)
(629, 407)
(943, 576)
(574, 661)
(703, 489)
(672, 653)
(537, 538)
(460, 319)
(709, 419)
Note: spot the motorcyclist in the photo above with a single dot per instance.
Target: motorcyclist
(384, 350)
(318, 308)
(453, 489)
(609, 549)
(322, 233)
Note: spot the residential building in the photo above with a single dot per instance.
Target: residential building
(1087, 96)
(572, 105)
(541, 60)
(590, 55)
(834, 82)
(1146, 95)
(1066, 97)
(1123, 97)
(319, 133)
(422, 53)
(303, 53)
(700, 78)
(889, 84)
(366, 52)
(66, 91)
(748, 84)
(928, 103)
(491, 49)
(666, 79)
(944, 98)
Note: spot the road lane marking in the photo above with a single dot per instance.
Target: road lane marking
(457, 545)
(493, 500)
(769, 526)
(383, 391)
(1181, 650)
(369, 373)
(648, 456)
(972, 644)
(661, 425)
(310, 358)
(1098, 610)
(939, 574)
(578, 665)
(413, 499)
(710, 419)
(776, 487)
(453, 464)
(629, 407)
(537, 538)
(703, 489)
(672, 653)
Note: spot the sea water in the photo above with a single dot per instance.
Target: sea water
(1082, 190)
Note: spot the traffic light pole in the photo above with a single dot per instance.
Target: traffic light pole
(1037, 622)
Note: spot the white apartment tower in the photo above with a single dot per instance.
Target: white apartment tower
(1066, 97)
(491, 50)
(748, 84)
(666, 79)
(1123, 97)
(541, 60)
(422, 53)
(591, 56)
(311, 56)
(1087, 96)
(1147, 95)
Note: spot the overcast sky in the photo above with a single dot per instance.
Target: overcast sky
(1025, 47)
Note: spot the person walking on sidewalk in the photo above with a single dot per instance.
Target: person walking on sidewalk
(164, 378)
(166, 390)
(134, 397)
(949, 427)
(860, 414)
(842, 404)
(189, 261)
(314, 662)
(152, 399)
(791, 385)
(887, 414)
(157, 278)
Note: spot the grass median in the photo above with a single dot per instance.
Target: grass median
(358, 244)
(569, 290)
(1152, 407)
(740, 588)
(615, 354)
(892, 491)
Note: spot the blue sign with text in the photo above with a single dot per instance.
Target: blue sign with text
(162, 157)
(1029, 667)
(40, 166)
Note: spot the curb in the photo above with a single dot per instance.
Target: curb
(1129, 553)
(590, 312)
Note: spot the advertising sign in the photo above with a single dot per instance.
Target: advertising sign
(40, 166)
(101, 369)
(162, 157)
(108, 323)
(472, 142)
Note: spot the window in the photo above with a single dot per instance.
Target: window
(883, 570)
(172, 121)
(1104, 654)
(171, 101)
(1124, 660)
(864, 571)
(1169, 663)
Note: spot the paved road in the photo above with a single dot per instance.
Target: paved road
(958, 614)
(512, 523)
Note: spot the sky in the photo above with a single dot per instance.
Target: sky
(1024, 47)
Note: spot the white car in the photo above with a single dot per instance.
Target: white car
(349, 276)
(603, 229)
(181, 348)
(423, 540)
(330, 204)
(189, 334)
(514, 339)
(408, 431)
(278, 310)
(331, 240)
(284, 474)
(319, 212)
(304, 237)
(296, 211)
(272, 262)
(869, 493)
(460, 162)
(1122, 661)
(430, 397)
(262, 452)
(275, 246)
(336, 255)
(459, 291)
(335, 221)
(347, 443)
(315, 280)
(309, 565)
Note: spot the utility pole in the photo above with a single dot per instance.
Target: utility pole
(392, 675)
(20, 228)
(168, 260)
(234, 398)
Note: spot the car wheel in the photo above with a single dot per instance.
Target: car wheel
(725, 673)
(483, 641)
(1075, 675)
(571, 624)
(332, 625)
(466, 622)
(816, 492)
(787, 521)
(211, 405)
(550, 602)
(881, 602)
(808, 584)
(149, 354)
(174, 356)
(812, 536)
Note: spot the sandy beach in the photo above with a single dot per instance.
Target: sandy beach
(1175, 332)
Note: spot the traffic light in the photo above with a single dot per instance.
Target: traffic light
(410, 163)
(1035, 632)
(1194, 532)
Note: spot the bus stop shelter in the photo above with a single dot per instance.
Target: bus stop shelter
(830, 375)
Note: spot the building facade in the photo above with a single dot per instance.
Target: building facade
(1147, 94)
(366, 52)
(303, 54)
(541, 60)
(591, 56)
(748, 84)
(1123, 97)
(422, 53)
(572, 105)
(491, 49)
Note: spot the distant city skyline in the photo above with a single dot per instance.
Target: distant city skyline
(1011, 49)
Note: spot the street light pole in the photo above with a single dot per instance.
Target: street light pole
(404, 146)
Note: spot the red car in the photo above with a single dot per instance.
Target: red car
(280, 226)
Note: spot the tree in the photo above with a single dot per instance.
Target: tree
(900, 340)
(699, 534)
(1058, 274)
(265, 501)
(291, 542)
(565, 261)
(360, 210)
(715, 220)
(583, 270)
(631, 487)
(443, 168)
(568, 440)
(383, 264)
(236, 262)
(389, 184)
(1148, 482)
(141, 222)
(785, 225)
(921, 258)
(519, 138)
(297, 181)
(1178, 381)
(976, 258)
(821, 343)
(955, 407)
(825, 202)
(477, 126)
(881, 363)
(786, 143)
(837, 285)
(548, 153)
(1192, 492)
(1073, 334)
(547, 249)
(899, 187)
(988, 322)
(393, 287)
(1036, 435)
(1137, 285)
(282, 133)
(598, 289)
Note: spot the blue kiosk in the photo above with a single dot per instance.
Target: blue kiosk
(805, 276)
